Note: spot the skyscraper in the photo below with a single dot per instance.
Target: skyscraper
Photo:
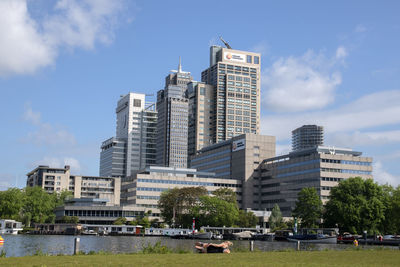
(172, 124)
(307, 136)
(135, 136)
(235, 76)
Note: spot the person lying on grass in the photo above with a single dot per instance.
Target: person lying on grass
(213, 248)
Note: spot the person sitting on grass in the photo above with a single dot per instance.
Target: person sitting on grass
(213, 248)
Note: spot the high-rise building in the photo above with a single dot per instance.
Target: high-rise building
(135, 136)
(201, 99)
(172, 123)
(235, 76)
(307, 136)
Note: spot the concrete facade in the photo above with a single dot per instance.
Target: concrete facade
(282, 178)
(55, 180)
(237, 158)
(235, 76)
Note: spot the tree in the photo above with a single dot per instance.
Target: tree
(216, 212)
(356, 205)
(39, 204)
(226, 194)
(308, 207)
(120, 221)
(70, 219)
(276, 220)
(175, 204)
(11, 202)
(246, 219)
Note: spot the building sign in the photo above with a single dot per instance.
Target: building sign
(234, 57)
(238, 145)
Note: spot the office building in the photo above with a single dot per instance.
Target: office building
(55, 180)
(201, 101)
(282, 178)
(144, 188)
(134, 146)
(307, 136)
(237, 158)
(113, 157)
(235, 76)
(172, 123)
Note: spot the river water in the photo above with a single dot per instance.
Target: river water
(21, 245)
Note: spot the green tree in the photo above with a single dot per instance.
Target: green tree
(176, 204)
(120, 221)
(276, 220)
(11, 203)
(39, 204)
(70, 219)
(308, 207)
(226, 194)
(214, 211)
(246, 219)
(356, 205)
(145, 222)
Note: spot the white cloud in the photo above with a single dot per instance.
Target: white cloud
(360, 28)
(303, 83)
(341, 53)
(382, 176)
(358, 138)
(373, 110)
(45, 133)
(27, 45)
(262, 48)
(60, 162)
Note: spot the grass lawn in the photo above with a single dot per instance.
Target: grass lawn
(302, 258)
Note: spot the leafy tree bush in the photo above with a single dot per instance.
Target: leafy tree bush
(356, 205)
(308, 208)
(276, 220)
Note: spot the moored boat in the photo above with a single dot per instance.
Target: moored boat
(313, 238)
(10, 227)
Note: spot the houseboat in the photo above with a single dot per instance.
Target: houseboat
(10, 227)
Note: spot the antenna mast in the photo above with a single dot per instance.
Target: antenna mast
(225, 43)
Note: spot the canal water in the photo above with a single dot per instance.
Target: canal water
(21, 245)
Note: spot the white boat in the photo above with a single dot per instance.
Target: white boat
(10, 227)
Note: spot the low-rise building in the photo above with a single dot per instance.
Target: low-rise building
(55, 180)
(144, 188)
(282, 178)
(238, 159)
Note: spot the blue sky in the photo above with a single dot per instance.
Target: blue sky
(64, 64)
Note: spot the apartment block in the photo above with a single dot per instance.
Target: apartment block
(55, 180)
(307, 136)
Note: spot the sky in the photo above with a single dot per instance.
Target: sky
(65, 63)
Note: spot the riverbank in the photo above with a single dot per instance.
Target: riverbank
(292, 258)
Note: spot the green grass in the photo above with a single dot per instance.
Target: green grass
(302, 258)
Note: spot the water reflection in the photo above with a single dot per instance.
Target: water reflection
(21, 245)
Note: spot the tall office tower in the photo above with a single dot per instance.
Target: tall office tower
(172, 124)
(235, 76)
(136, 132)
(201, 100)
(307, 136)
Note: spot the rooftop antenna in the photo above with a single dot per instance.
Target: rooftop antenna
(225, 43)
(180, 65)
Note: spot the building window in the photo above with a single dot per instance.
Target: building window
(202, 91)
(256, 60)
(137, 103)
(249, 59)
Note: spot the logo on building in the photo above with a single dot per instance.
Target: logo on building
(238, 145)
(234, 57)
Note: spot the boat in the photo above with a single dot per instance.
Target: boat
(245, 235)
(313, 238)
(10, 227)
(282, 235)
(322, 236)
(205, 235)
